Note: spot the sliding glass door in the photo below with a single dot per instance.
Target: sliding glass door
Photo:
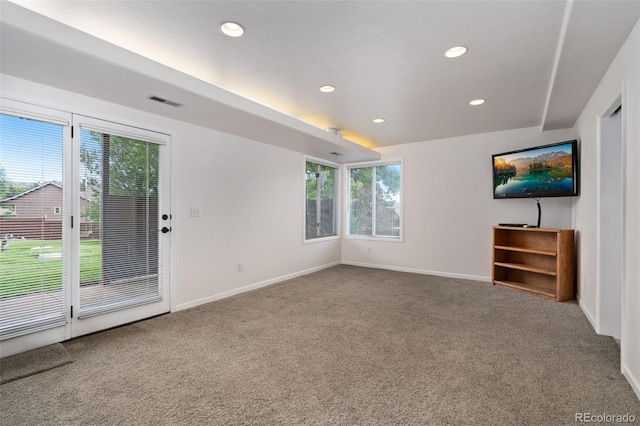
(85, 225)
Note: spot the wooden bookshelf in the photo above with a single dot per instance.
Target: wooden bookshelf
(535, 260)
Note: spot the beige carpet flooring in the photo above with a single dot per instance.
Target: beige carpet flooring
(343, 346)
(33, 362)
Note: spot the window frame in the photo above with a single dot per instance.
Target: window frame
(337, 176)
(347, 209)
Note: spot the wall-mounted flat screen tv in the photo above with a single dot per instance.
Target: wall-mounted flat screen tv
(542, 171)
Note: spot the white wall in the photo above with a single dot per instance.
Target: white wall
(623, 76)
(449, 208)
(251, 201)
(250, 197)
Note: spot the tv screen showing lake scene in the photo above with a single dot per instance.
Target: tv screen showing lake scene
(545, 171)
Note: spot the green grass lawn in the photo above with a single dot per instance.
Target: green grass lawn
(22, 272)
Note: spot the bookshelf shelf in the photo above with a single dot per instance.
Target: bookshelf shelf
(536, 260)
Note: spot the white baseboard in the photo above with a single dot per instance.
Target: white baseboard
(632, 379)
(420, 271)
(587, 314)
(250, 287)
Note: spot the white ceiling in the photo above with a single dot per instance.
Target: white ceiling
(536, 62)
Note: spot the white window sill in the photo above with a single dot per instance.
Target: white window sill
(321, 239)
(372, 238)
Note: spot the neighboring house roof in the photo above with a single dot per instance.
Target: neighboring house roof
(31, 190)
(56, 184)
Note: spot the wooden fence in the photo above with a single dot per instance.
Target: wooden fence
(38, 229)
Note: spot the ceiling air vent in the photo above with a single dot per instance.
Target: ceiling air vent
(164, 101)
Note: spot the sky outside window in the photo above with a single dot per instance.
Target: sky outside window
(30, 151)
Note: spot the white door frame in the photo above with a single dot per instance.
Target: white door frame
(610, 292)
(81, 326)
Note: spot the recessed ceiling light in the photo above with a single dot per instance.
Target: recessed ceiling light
(455, 51)
(378, 120)
(327, 88)
(476, 102)
(232, 29)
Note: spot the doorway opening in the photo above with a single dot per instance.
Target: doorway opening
(611, 184)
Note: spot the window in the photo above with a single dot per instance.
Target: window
(33, 296)
(7, 210)
(320, 200)
(122, 206)
(374, 201)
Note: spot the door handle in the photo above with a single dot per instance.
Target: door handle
(165, 229)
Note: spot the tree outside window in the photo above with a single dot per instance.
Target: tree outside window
(374, 201)
(320, 207)
(131, 167)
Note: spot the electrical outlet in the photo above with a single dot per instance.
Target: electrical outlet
(368, 250)
(240, 267)
(195, 211)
